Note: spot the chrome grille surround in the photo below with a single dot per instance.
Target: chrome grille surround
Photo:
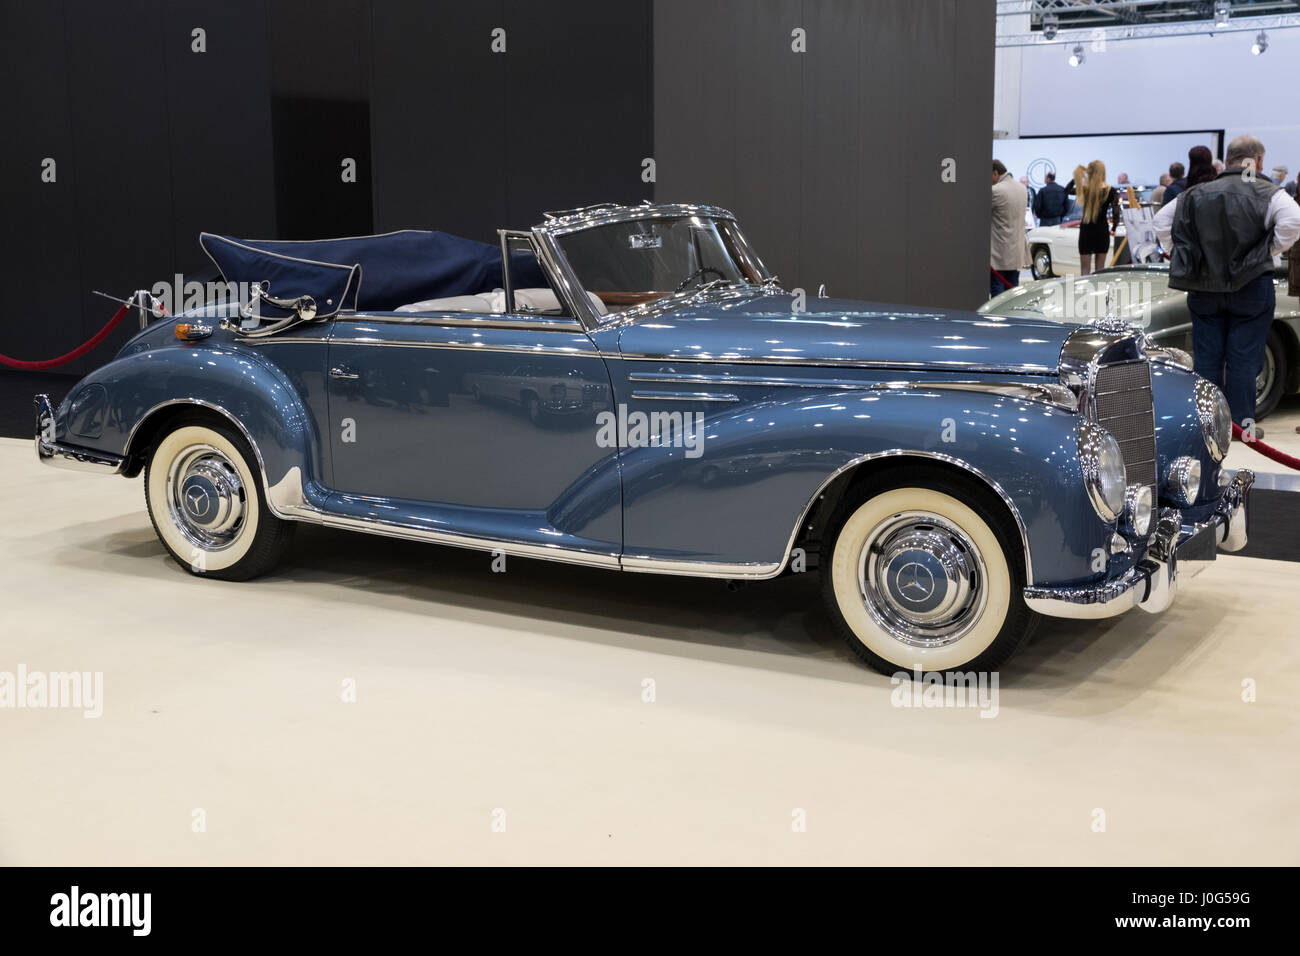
(1106, 366)
(1122, 404)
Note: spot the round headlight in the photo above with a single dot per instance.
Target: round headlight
(1138, 507)
(1184, 481)
(1103, 470)
(1215, 417)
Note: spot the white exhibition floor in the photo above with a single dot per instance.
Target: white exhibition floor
(522, 692)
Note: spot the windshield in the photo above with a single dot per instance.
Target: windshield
(625, 264)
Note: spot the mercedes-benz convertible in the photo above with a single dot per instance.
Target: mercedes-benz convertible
(629, 387)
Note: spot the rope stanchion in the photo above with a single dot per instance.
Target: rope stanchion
(76, 353)
(1268, 451)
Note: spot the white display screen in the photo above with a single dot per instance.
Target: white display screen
(1144, 156)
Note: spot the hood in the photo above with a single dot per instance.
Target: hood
(1076, 300)
(844, 332)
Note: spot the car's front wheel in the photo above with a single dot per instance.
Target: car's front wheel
(927, 573)
(1041, 262)
(205, 500)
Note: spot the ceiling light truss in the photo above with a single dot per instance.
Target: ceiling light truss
(1128, 21)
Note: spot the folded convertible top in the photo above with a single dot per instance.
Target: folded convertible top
(368, 273)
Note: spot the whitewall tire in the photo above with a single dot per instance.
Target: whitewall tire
(204, 495)
(926, 574)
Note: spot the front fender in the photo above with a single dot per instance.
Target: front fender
(1178, 434)
(113, 409)
(764, 464)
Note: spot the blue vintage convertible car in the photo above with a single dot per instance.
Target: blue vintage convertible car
(628, 387)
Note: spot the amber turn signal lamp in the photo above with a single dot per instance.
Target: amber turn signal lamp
(187, 332)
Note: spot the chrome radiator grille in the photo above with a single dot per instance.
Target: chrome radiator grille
(1122, 400)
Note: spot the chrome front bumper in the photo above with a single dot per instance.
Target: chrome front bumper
(51, 452)
(1152, 583)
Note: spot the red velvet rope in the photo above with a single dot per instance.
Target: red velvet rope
(1268, 451)
(1001, 278)
(76, 353)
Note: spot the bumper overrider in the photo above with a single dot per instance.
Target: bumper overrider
(52, 452)
(1152, 583)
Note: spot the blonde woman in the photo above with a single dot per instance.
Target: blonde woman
(1095, 198)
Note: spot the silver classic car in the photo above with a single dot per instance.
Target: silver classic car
(951, 476)
(1145, 301)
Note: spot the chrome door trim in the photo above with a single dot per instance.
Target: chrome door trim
(475, 346)
(471, 320)
(732, 359)
(1057, 395)
(700, 569)
(686, 396)
(397, 529)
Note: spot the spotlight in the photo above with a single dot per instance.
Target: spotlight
(1222, 13)
(1076, 57)
(1260, 44)
(1050, 24)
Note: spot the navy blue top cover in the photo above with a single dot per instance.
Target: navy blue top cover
(369, 273)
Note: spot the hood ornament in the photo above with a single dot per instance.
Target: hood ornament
(1110, 322)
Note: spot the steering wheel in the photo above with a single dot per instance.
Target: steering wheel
(698, 274)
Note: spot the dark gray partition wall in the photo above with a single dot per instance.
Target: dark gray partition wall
(150, 142)
(467, 139)
(832, 158)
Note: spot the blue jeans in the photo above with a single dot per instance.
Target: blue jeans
(1229, 330)
(1011, 277)
(1050, 221)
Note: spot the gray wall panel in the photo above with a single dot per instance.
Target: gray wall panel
(832, 158)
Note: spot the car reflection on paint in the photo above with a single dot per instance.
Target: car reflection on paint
(539, 392)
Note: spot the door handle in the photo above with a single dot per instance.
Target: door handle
(343, 373)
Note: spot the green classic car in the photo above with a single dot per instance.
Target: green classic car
(1142, 297)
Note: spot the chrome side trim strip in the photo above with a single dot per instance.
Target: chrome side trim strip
(685, 396)
(460, 320)
(473, 346)
(396, 529)
(700, 569)
(1057, 395)
(733, 359)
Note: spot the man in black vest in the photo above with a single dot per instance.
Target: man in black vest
(1221, 237)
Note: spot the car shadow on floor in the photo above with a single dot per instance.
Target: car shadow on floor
(779, 624)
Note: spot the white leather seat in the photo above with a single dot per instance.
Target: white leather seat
(540, 300)
(455, 303)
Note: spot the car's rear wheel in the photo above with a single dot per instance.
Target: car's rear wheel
(927, 573)
(1271, 381)
(205, 499)
(1041, 262)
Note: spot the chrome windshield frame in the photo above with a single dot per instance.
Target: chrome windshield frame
(559, 224)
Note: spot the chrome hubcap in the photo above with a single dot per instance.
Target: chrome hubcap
(205, 497)
(922, 579)
(1040, 263)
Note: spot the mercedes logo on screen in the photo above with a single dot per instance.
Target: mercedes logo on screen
(1038, 170)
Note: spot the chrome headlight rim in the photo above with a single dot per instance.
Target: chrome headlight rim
(1139, 508)
(1215, 417)
(1099, 459)
(1183, 483)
